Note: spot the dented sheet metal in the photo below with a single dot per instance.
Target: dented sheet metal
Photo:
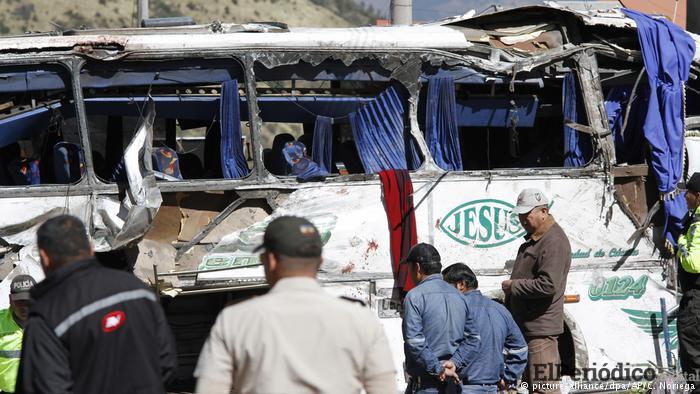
(22, 216)
(120, 225)
(462, 217)
(469, 220)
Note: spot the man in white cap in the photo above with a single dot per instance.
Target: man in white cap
(535, 290)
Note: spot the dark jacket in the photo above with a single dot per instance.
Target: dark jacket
(436, 324)
(95, 330)
(503, 352)
(687, 253)
(539, 280)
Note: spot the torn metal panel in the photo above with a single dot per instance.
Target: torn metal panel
(23, 215)
(338, 211)
(118, 225)
(594, 104)
(27, 264)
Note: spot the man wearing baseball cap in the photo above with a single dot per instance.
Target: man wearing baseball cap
(297, 338)
(439, 333)
(535, 290)
(12, 330)
(689, 279)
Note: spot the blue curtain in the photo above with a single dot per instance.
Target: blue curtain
(629, 142)
(378, 131)
(233, 163)
(413, 160)
(322, 148)
(577, 146)
(667, 51)
(442, 132)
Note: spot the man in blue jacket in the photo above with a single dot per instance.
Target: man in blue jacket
(439, 333)
(503, 355)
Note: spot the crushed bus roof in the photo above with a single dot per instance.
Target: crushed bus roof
(452, 34)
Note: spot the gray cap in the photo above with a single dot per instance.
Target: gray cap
(20, 287)
(529, 199)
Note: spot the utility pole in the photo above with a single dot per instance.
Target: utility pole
(692, 18)
(401, 12)
(142, 12)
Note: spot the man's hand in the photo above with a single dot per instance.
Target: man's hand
(502, 385)
(449, 371)
(505, 285)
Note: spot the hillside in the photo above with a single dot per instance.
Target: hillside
(19, 16)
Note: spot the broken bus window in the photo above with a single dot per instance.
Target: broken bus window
(187, 128)
(40, 143)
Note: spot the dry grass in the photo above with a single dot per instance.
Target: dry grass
(19, 16)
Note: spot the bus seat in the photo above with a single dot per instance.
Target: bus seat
(278, 164)
(267, 158)
(8, 154)
(190, 166)
(165, 160)
(302, 166)
(308, 140)
(68, 163)
(25, 172)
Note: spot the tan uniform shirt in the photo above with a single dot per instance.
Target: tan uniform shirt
(296, 339)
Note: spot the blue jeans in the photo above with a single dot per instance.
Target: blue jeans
(447, 388)
(479, 389)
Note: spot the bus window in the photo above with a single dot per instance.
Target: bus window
(188, 129)
(499, 128)
(40, 142)
(334, 119)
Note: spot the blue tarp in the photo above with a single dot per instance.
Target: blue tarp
(233, 163)
(441, 130)
(322, 147)
(577, 146)
(667, 51)
(378, 131)
(629, 142)
(305, 169)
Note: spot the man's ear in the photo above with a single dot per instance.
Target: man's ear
(416, 267)
(272, 262)
(44, 259)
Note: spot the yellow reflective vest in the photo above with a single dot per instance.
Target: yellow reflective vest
(689, 245)
(10, 348)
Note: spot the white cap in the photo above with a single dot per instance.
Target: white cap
(529, 199)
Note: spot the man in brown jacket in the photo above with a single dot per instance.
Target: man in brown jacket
(535, 290)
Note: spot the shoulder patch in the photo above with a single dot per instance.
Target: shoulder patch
(113, 320)
(346, 298)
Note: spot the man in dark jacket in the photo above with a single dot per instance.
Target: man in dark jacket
(92, 329)
(503, 354)
(535, 290)
(439, 333)
(689, 280)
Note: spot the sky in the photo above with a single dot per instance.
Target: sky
(424, 10)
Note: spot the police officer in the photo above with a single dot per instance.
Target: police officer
(11, 330)
(689, 279)
(91, 329)
(440, 336)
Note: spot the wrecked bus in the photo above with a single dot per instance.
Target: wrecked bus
(178, 145)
